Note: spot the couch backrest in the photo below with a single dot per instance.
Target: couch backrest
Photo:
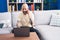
(41, 17)
(44, 17)
(5, 17)
(14, 18)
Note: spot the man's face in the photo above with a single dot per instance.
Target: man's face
(25, 10)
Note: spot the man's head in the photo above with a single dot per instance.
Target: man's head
(25, 8)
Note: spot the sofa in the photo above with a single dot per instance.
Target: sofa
(43, 23)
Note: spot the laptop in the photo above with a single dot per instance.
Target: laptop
(22, 32)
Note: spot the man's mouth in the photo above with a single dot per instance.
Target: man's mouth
(24, 11)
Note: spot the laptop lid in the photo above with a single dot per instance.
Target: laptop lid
(22, 32)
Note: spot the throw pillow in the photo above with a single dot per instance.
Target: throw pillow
(42, 18)
(1, 25)
(55, 20)
(7, 23)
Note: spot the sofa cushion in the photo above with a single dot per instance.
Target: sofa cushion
(7, 23)
(5, 16)
(5, 30)
(42, 17)
(15, 18)
(49, 32)
(55, 20)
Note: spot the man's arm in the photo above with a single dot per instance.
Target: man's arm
(32, 18)
(18, 24)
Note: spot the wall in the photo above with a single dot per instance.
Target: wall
(50, 5)
(58, 4)
(3, 5)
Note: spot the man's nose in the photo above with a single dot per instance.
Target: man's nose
(24, 10)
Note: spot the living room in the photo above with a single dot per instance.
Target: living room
(46, 19)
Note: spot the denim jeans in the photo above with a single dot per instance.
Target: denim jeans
(37, 32)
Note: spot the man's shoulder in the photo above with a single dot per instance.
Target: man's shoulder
(20, 13)
(31, 13)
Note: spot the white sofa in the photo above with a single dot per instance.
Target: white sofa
(42, 21)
